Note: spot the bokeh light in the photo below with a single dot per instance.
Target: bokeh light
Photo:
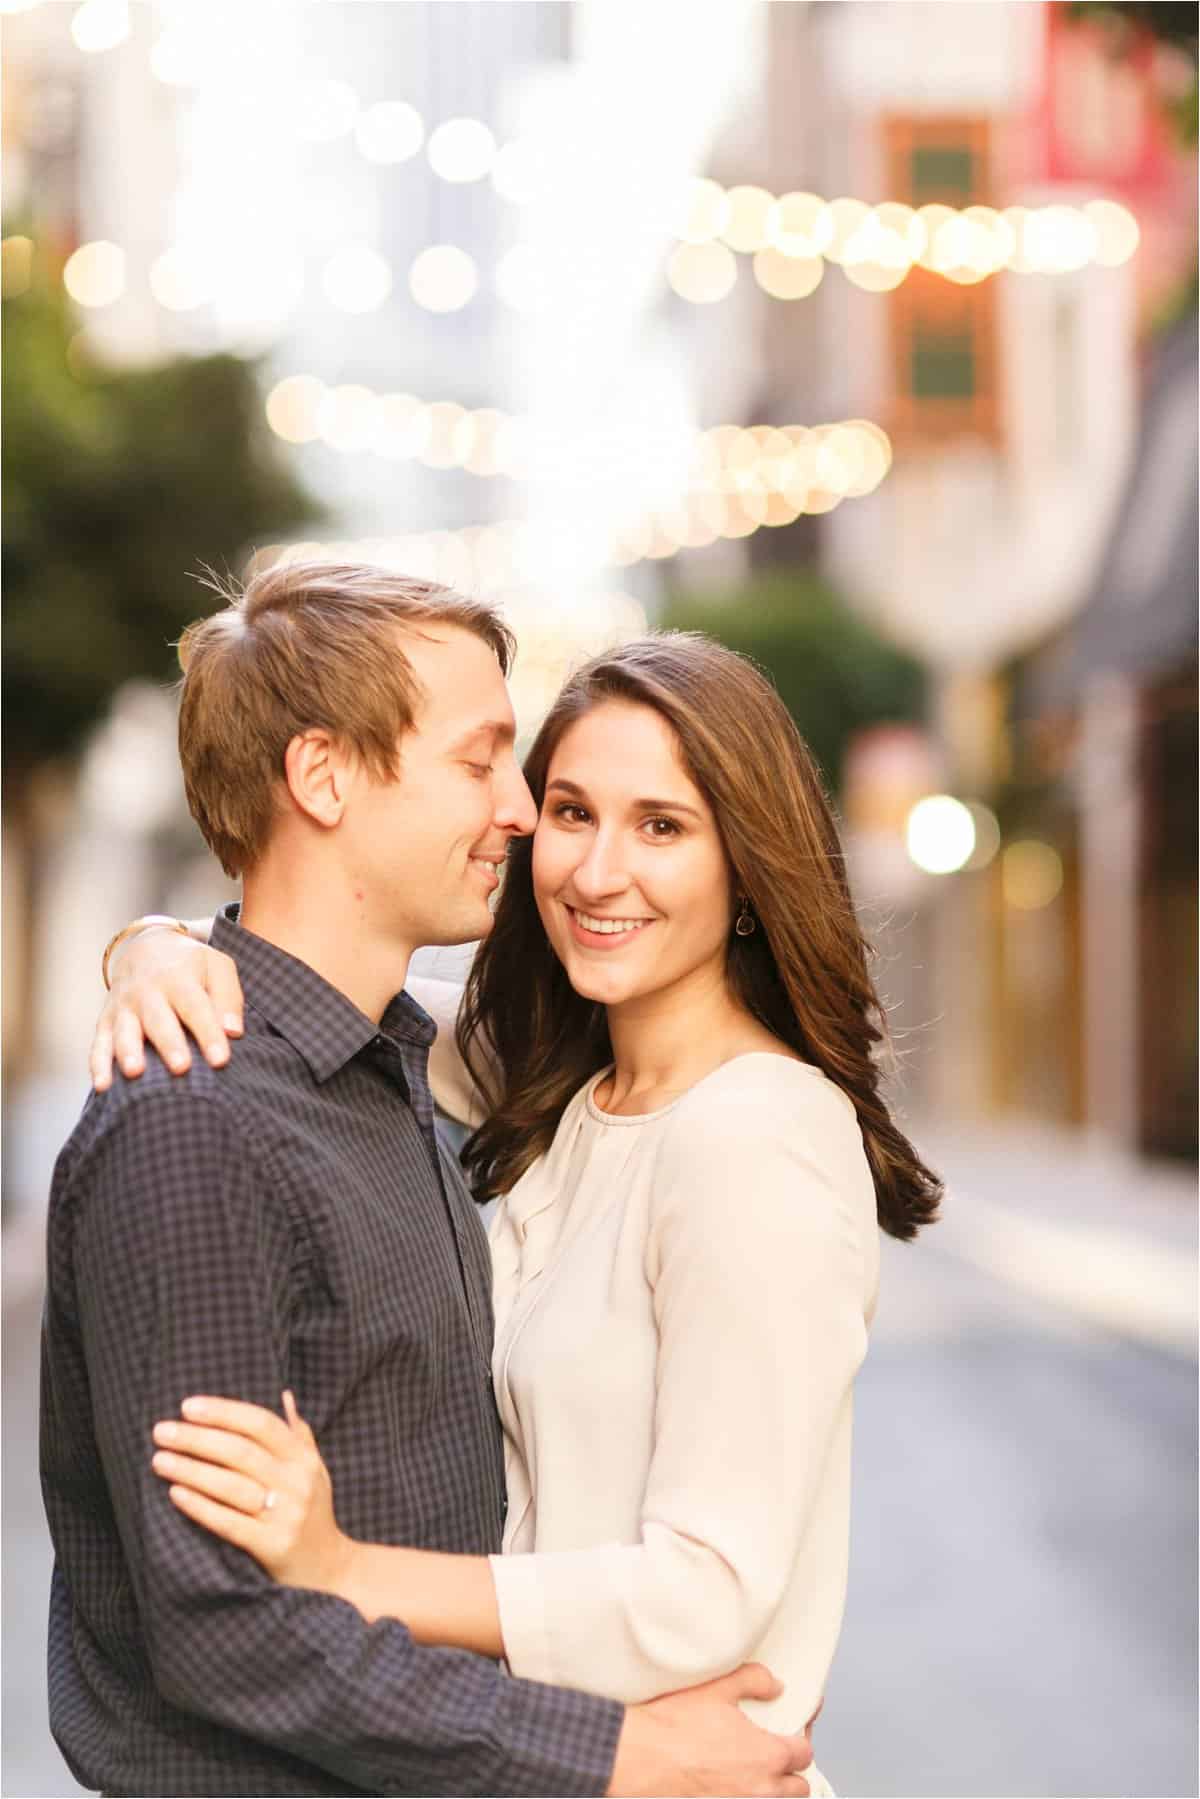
(450, 437)
(443, 278)
(95, 274)
(348, 417)
(788, 277)
(294, 408)
(1031, 874)
(846, 217)
(179, 281)
(390, 131)
(1116, 229)
(987, 835)
(403, 426)
(702, 273)
(940, 834)
(748, 225)
(801, 225)
(100, 24)
(703, 212)
(461, 150)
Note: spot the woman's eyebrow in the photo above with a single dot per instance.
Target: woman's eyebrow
(665, 806)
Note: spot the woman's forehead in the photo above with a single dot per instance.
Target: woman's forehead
(622, 743)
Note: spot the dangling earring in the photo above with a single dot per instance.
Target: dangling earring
(745, 924)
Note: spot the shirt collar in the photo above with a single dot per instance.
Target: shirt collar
(317, 1019)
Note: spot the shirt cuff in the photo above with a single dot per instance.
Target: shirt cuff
(558, 1741)
(524, 1622)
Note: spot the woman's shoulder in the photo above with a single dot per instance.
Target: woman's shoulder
(768, 1086)
(761, 1111)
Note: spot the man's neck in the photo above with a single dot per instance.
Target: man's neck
(330, 938)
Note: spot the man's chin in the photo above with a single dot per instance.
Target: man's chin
(471, 925)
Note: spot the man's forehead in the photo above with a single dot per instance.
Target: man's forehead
(460, 681)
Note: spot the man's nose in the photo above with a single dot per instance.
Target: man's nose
(515, 808)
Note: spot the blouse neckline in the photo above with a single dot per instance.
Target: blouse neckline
(614, 1118)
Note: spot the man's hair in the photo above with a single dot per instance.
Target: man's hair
(302, 645)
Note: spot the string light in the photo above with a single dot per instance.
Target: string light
(940, 834)
(876, 246)
(792, 238)
(702, 273)
(502, 556)
(100, 25)
(443, 278)
(390, 131)
(95, 274)
(1031, 874)
(178, 281)
(462, 150)
(735, 480)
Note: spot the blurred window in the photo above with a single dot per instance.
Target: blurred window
(943, 364)
(943, 332)
(942, 173)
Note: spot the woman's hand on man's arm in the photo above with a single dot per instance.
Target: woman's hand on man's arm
(163, 986)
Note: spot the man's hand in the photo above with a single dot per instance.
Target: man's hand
(699, 1742)
(162, 984)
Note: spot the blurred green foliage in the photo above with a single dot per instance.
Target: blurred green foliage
(835, 674)
(1172, 23)
(117, 483)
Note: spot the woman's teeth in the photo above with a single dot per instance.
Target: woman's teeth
(608, 926)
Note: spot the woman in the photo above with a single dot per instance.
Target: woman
(671, 1030)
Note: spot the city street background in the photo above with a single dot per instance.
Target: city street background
(860, 334)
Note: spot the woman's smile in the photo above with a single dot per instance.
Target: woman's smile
(593, 931)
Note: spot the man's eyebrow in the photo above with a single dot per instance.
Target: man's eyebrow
(498, 728)
(646, 805)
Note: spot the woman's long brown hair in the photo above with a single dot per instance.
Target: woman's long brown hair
(803, 973)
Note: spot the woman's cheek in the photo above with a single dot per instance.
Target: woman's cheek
(545, 881)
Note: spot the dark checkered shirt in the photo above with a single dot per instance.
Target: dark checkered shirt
(288, 1221)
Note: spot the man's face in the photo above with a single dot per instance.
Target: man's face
(424, 852)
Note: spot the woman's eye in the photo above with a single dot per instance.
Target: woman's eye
(572, 815)
(662, 828)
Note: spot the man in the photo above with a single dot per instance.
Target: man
(347, 745)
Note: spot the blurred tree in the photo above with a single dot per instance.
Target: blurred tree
(117, 483)
(835, 674)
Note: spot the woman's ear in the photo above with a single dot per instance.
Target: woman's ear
(318, 771)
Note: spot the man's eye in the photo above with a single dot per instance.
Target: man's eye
(480, 768)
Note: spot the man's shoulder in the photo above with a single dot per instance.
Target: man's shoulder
(228, 1105)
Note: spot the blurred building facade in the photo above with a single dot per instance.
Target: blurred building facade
(1039, 518)
(1041, 467)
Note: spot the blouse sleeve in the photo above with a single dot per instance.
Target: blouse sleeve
(755, 1257)
(451, 1080)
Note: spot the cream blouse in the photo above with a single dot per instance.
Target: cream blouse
(682, 1301)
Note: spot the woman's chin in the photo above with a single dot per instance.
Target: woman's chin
(605, 986)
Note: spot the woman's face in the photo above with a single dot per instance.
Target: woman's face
(629, 873)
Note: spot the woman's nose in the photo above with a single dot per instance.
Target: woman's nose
(602, 870)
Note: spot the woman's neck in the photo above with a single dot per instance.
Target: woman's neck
(666, 1041)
